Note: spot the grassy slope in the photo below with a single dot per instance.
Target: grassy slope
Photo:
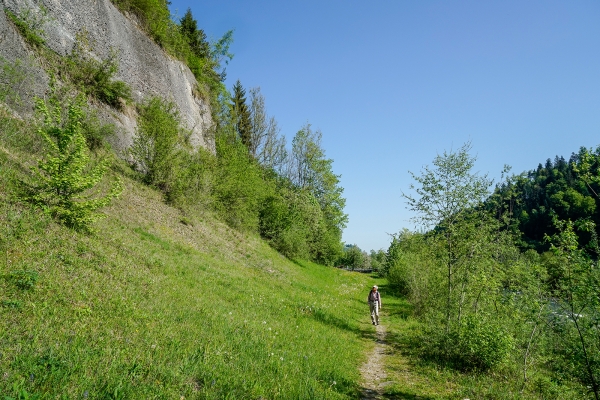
(149, 307)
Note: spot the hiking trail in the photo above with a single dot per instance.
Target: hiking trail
(373, 370)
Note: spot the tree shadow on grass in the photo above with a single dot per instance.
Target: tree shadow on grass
(332, 320)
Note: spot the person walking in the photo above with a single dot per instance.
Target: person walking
(374, 300)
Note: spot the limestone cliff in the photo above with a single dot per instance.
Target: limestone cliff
(143, 65)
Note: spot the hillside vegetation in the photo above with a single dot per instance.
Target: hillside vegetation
(167, 276)
(158, 304)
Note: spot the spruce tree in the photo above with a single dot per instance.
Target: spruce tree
(196, 37)
(241, 114)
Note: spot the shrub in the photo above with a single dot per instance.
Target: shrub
(476, 344)
(29, 24)
(155, 148)
(481, 344)
(63, 181)
(96, 77)
(96, 132)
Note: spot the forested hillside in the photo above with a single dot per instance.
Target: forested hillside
(559, 189)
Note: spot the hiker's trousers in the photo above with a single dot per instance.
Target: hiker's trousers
(374, 305)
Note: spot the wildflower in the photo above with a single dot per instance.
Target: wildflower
(269, 328)
(264, 322)
(281, 358)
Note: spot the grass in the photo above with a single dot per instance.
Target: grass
(149, 307)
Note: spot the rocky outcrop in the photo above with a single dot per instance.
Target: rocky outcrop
(143, 65)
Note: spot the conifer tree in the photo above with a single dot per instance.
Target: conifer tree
(195, 37)
(241, 114)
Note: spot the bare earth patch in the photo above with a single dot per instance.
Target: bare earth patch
(373, 371)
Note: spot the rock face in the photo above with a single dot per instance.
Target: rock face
(143, 65)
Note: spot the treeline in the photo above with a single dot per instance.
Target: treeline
(485, 302)
(291, 198)
(252, 180)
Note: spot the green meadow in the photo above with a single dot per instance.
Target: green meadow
(157, 305)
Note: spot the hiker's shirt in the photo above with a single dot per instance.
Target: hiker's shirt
(373, 297)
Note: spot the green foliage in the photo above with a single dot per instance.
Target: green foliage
(63, 184)
(266, 145)
(30, 24)
(477, 344)
(196, 37)
(448, 197)
(96, 132)
(96, 77)
(576, 295)
(480, 344)
(156, 147)
(154, 16)
(238, 186)
(411, 268)
(567, 190)
(241, 115)
(378, 260)
(354, 258)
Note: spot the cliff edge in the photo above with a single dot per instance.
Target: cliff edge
(143, 65)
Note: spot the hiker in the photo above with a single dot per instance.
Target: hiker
(374, 300)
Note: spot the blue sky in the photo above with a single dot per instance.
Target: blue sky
(392, 83)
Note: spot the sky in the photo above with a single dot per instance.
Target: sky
(393, 83)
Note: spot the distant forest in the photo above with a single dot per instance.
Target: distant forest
(559, 189)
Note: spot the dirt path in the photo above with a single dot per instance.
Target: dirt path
(373, 371)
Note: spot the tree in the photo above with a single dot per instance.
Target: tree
(196, 38)
(241, 115)
(64, 181)
(309, 169)
(266, 146)
(353, 258)
(447, 199)
(576, 295)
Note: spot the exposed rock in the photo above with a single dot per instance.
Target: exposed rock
(143, 65)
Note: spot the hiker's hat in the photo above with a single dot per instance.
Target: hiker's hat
(375, 287)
